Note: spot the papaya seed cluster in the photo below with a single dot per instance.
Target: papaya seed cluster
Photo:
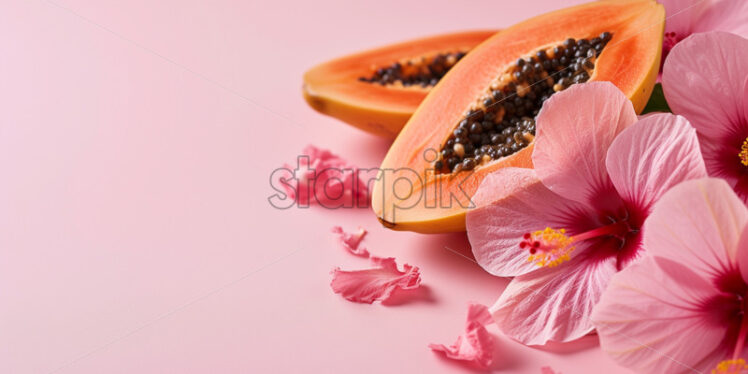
(421, 71)
(502, 121)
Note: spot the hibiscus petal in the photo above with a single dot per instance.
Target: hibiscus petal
(510, 203)
(553, 304)
(683, 15)
(377, 284)
(653, 155)
(703, 81)
(726, 167)
(743, 254)
(745, 98)
(725, 15)
(352, 242)
(575, 127)
(698, 224)
(649, 319)
(324, 178)
(478, 314)
(547, 370)
(476, 344)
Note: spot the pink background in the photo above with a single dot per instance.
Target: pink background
(136, 142)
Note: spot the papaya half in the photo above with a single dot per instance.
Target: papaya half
(379, 89)
(480, 116)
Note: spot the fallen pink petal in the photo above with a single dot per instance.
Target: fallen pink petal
(476, 343)
(352, 241)
(375, 284)
(321, 177)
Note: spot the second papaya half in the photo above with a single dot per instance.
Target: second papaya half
(379, 89)
(480, 116)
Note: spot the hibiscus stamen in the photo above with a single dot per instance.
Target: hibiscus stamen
(731, 367)
(744, 153)
(551, 247)
(669, 41)
(547, 247)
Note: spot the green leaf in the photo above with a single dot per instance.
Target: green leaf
(657, 102)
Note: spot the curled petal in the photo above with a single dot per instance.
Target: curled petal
(476, 344)
(352, 242)
(377, 284)
(321, 177)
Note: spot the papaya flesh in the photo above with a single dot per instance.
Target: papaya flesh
(351, 88)
(415, 189)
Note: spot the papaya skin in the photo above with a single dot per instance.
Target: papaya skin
(333, 88)
(630, 61)
(381, 121)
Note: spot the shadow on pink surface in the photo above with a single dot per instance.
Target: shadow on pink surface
(582, 344)
(503, 360)
(456, 245)
(422, 294)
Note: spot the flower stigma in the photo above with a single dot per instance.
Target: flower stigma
(548, 247)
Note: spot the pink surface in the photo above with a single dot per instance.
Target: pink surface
(136, 142)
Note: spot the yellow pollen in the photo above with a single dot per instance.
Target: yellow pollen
(744, 153)
(731, 367)
(549, 247)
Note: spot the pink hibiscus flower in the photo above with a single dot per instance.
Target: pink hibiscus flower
(597, 173)
(706, 81)
(686, 17)
(682, 309)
